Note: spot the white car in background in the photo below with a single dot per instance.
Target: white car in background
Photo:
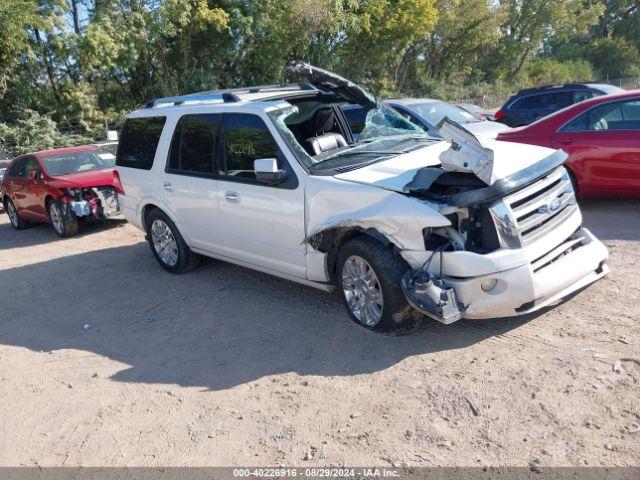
(429, 112)
(401, 223)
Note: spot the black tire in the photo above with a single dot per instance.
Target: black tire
(63, 220)
(186, 259)
(397, 315)
(16, 219)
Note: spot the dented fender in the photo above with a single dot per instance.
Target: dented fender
(333, 203)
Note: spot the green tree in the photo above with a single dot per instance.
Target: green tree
(15, 16)
(529, 24)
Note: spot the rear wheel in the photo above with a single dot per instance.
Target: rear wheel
(64, 223)
(17, 221)
(167, 245)
(369, 278)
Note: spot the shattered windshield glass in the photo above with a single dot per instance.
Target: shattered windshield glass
(385, 122)
(385, 133)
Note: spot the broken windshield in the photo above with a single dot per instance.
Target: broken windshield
(383, 133)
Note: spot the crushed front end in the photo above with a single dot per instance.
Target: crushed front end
(512, 248)
(99, 203)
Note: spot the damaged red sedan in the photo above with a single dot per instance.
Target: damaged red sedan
(60, 187)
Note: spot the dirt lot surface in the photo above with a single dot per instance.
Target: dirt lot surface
(105, 359)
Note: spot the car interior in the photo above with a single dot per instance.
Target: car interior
(316, 127)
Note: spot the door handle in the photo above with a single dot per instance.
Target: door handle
(566, 140)
(232, 197)
(167, 186)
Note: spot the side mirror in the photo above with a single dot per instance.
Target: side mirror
(33, 175)
(267, 171)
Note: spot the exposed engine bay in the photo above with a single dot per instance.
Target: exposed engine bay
(100, 203)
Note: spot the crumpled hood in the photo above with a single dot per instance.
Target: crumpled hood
(92, 178)
(397, 172)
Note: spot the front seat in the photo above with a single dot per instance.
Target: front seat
(324, 140)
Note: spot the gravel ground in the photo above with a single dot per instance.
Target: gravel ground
(107, 360)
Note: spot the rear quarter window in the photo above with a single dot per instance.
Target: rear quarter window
(138, 142)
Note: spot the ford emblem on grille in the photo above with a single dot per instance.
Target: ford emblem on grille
(551, 206)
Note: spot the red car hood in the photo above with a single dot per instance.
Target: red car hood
(92, 178)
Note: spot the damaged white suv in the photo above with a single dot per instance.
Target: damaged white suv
(401, 223)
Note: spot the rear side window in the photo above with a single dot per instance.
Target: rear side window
(247, 138)
(578, 124)
(18, 169)
(546, 101)
(194, 144)
(609, 116)
(138, 142)
(528, 103)
(580, 95)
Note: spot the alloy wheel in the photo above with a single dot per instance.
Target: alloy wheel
(56, 218)
(13, 214)
(164, 242)
(362, 291)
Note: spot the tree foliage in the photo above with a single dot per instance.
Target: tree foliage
(83, 63)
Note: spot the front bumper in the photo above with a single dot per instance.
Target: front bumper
(575, 263)
(103, 205)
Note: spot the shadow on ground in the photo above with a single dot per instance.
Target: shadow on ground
(217, 327)
(43, 233)
(612, 218)
(221, 325)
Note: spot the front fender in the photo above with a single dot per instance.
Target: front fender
(332, 203)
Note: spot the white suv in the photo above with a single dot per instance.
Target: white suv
(401, 223)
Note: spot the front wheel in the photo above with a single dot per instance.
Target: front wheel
(369, 278)
(17, 221)
(167, 245)
(63, 221)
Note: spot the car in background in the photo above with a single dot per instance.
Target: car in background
(531, 104)
(59, 187)
(477, 111)
(107, 145)
(427, 113)
(601, 137)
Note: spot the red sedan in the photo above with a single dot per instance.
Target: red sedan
(601, 137)
(59, 187)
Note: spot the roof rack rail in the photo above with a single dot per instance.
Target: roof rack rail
(194, 97)
(230, 95)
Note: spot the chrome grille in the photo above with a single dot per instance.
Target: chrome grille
(530, 213)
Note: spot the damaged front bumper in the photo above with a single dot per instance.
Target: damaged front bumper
(572, 265)
(98, 202)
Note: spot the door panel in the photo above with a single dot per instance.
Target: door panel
(604, 147)
(263, 224)
(188, 186)
(15, 185)
(603, 158)
(35, 192)
(194, 202)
